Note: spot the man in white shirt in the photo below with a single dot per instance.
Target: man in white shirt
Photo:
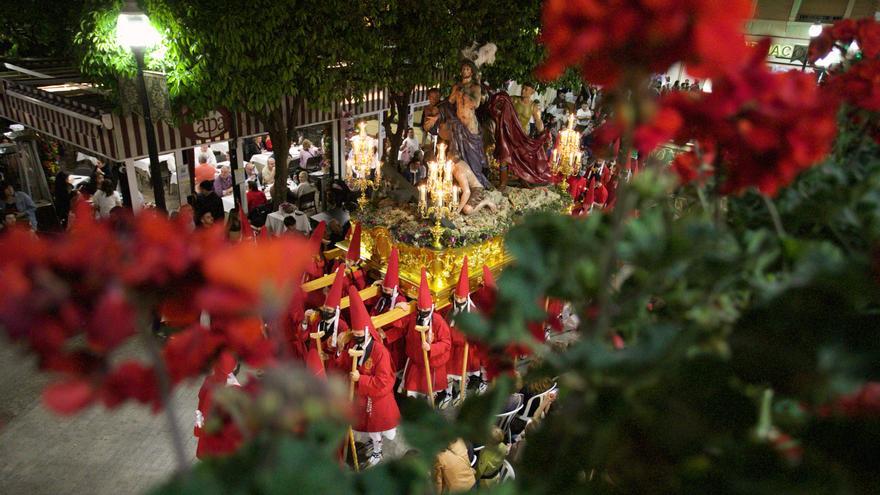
(205, 149)
(408, 148)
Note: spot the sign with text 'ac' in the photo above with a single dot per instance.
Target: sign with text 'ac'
(214, 126)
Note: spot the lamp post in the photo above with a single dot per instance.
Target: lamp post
(815, 31)
(134, 31)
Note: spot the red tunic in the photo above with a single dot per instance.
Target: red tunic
(228, 438)
(414, 379)
(374, 402)
(394, 344)
(456, 359)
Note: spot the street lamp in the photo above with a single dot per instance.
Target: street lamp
(134, 31)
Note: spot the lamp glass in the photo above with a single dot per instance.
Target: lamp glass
(135, 31)
(815, 30)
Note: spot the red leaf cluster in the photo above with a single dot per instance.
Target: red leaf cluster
(609, 38)
(761, 128)
(76, 298)
(861, 404)
(856, 82)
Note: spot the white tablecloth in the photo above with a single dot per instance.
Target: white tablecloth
(263, 158)
(275, 222)
(144, 165)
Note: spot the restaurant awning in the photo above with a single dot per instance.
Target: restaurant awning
(55, 99)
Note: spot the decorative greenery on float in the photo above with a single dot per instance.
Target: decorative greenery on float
(405, 226)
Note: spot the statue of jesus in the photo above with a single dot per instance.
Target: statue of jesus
(465, 97)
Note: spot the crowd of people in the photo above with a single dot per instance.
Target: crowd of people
(419, 356)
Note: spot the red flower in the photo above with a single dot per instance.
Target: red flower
(69, 396)
(273, 272)
(766, 127)
(187, 353)
(608, 38)
(131, 380)
(868, 36)
(863, 403)
(112, 322)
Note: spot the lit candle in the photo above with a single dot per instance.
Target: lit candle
(555, 155)
(378, 171)
(447, 171)
(442, 153)
(423, 193)
(455, 195)
(439, 201)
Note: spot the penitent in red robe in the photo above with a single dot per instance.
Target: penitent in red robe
(456, 358)
(394, 331)
(414, 379)
(375, 406)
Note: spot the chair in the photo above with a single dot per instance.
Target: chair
(506, 472)
(532, 405)
(307, 202)
(314, 163)
(503, 420)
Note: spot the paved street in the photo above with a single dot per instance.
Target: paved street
(97, 452)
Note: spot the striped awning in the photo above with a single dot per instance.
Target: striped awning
(122, 137)
(76, 124)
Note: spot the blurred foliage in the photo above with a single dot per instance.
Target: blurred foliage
(38, 28)
(716, 305)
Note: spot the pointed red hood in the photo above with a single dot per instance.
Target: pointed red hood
(317, 235)
(464, 287)
(246, 231)
(425, 300)
(392, 278)
(335, 294)
(354, 247)
(488, 279)
(360, 318)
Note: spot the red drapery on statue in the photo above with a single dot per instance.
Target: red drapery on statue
(525, 157)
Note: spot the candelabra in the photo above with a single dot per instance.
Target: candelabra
(438, 197)
(566, 158)
(361, 163)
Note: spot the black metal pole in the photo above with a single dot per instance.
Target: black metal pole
(233, 161)
(152, 147)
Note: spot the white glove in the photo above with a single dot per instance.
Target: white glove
(200, 419)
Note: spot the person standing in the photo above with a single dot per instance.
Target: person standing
(322, 330)
(435, 343)
(208, 202)
(375, 409)
(461, 303)
(390, 298)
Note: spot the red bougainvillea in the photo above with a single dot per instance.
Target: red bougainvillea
(76, 298)
(606, 38)
(761, 128)
(856, 81)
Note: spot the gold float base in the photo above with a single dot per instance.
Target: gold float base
(442, 265)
